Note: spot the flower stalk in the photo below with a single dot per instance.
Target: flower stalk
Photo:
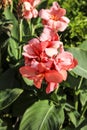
(20, 30)
(77, 93)
(31, 27)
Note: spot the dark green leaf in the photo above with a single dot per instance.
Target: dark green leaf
(26, 99)
(83, 97)
(3, 126)
(8, 79)
(8, 96)
(82, 125)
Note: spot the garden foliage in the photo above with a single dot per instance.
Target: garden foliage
(22, 105)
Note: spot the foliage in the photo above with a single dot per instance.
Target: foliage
(24, 107)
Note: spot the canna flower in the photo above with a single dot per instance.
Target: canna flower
(44, 62)
(29, 8)
(49, 35)
(54, 17)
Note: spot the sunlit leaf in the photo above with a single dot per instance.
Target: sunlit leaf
(81, 56)
(42, 116)
(27, 81)
(83, 45)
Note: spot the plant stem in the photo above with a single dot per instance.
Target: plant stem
(31, 27)
(80, 83)
(77, 93)
(76, 101)
(11, 8)
(20, 30)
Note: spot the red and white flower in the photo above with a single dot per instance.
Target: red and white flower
(46, 60)
(45, 57)
(54, 17)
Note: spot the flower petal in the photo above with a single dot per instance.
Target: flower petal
(54, 76)
(27, 71)
(51, 52)
(44, 14)
(38, 80)
(51, 87)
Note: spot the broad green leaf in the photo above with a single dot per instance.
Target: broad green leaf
(8, 96)
(81, 56)
(83, 45)
(42, 116)
(3, 126)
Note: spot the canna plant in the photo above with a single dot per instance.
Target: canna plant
(43, 85)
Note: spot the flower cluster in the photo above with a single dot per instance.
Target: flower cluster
(28, 8)
(45, 57)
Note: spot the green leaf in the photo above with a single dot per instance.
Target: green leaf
(83, 45)
(42, 116)
(13, 48)
(81, 56)
(72, 80)
(2, 125)
(8, 96)
(74, 116)
(84, 128)
(83, 97)
(10, 16)
(27, 81)
(82, 125)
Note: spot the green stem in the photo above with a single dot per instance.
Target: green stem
(20, 30)
(77, 93)
(11, 8)
(76, 101)
(31, 27)
(80, 83)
